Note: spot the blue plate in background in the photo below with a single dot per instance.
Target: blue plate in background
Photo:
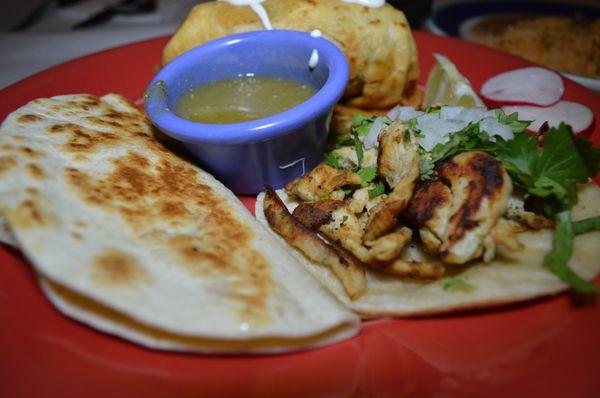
(469, 19)
(448, 19)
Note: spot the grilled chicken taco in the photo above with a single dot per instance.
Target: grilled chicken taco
(131, 239)
(442, 210)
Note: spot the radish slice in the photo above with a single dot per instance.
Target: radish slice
(578, 116)
(526, 86)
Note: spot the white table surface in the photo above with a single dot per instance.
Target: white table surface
(50, 41)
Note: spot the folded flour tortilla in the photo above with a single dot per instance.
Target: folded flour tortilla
(377, 42)
(510, 277)
(130, 238)
(6, 235)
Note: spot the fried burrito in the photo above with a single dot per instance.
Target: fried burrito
(378, 44)
(133, 240)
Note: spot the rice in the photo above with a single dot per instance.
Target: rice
(558, 43)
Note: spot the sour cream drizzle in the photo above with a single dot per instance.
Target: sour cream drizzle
(257, 8)
(367, 3)
(314, 56)
(264, 17)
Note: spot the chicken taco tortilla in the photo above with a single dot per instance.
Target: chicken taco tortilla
(442, 210)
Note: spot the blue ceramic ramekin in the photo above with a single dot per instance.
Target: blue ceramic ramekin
(272, 150)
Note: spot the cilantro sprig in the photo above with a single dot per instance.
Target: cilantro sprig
(551, 174)
(455, 284)
(367, 175)
(332, 160)
(512, 121)
(378, 190)
(470, 138)
(361, 125)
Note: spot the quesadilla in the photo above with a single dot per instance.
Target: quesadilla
(6, 235)
(133, 240)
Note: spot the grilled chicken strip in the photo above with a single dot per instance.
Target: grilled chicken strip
(321, 182)
(389, 246)
(337, 221)
(504, 234)
(398, 163)
(351, 276)
(456, 214)
(414, 269)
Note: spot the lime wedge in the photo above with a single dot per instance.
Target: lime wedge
(446, 86)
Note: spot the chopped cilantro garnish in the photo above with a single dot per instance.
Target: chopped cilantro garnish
(589, 155)
(332, 160)
(433, 109)
(343, 140)
(468, 139)
(512, 121)
(426, 165)
(348, 191)
(516, 155)
(456, 284)
(361, 125)
(367, 175)
(378, 190)
(358, 147)
(412, 125)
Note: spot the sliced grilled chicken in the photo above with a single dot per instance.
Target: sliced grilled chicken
(455, 222)
(389, 246)
(339, 224)
(359, 200)
(349, 159)
(321, 182)
(398, 164)
(413, 269)
(351, 276)
(504, 234)
(430, 209)
(315, 214)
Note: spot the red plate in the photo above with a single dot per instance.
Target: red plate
(547, 347)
